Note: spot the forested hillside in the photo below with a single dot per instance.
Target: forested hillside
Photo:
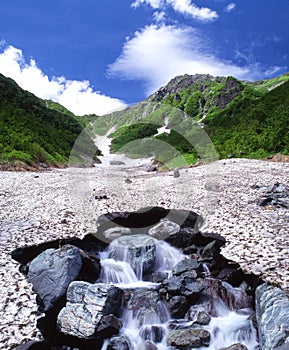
(242, 119)
(33, 130)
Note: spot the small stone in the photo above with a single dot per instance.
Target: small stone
(203, 318)
(188, 338)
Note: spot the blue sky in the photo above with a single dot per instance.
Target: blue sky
(97, 56)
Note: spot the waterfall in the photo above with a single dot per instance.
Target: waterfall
(146, 318)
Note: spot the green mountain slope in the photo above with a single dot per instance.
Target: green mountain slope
(243, 119)
(33, 130)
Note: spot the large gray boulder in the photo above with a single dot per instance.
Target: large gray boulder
(51, 272)
(187, 339)
(90, 309)
(138, 250)
(272, 311)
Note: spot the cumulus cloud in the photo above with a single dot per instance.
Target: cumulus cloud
(77, 96)
(230, 7)
(186, 7)
(158, 53)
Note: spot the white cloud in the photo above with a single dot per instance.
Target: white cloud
(77, 96)
(153, 3)
(186, 7)
(159, 16)
(156, 54)
(230, 7)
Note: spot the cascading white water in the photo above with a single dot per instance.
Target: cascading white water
(150, 320)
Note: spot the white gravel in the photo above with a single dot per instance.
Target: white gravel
(36, 207)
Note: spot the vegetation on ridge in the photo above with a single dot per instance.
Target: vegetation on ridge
(242, 119)
(33, 130)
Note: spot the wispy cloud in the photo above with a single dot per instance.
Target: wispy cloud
(230, 7)
(158, 53)
(186, 7)
(77, 96)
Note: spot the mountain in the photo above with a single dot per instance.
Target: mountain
(33, 130)
(193, 116)
(204, 116)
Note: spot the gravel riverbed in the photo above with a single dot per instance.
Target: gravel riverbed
(36, 207)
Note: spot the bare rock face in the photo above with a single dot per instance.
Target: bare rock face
(90, 309)
(272, 306)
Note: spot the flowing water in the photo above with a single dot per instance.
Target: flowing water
(147, 321)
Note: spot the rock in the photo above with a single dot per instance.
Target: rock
(234, 298)
(144, 219)
(90, 270)
(234, 276)
(121, 342)
(187, 265)
(237, 346)
(178, 306)
(176, 173)
(164, 229)
(272, 305)
(188, 338)
(90, 309)
(26, 254)
(145, 305)
(215, 290)
(182, 239)
(185, 285)
(51, 272)
(116, 162)
(148, 345)
(109, 325)
(115, 232)
(151, 168)
(154, 333)
(204, 238)
(138, 250)
(211, 250)
(277, 195)
(156, 277)
(32, 345)
(203, 318)
(100, 196)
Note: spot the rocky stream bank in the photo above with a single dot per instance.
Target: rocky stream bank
(38, 207)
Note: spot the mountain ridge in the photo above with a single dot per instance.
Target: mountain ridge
(241, 118)
(212, 103)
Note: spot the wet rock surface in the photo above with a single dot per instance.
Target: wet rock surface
(138, 250)
(188, 339)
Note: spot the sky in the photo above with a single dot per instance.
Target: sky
(95, 56)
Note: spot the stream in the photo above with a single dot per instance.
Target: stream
(147, 323)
